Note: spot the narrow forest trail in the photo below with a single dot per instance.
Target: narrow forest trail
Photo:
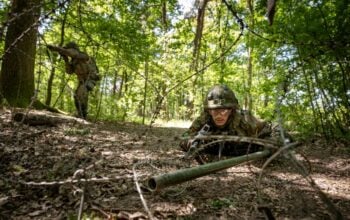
(70, 152)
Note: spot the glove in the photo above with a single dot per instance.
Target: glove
(185, 145)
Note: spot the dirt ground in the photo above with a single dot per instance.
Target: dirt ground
(59, 172)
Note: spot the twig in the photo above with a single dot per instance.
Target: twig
(224, 138)
(251, 140)
(268, 161)
(81, 203)
(108, 216)
(138, 188)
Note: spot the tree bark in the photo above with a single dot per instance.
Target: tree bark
(145, 93)
(199, 31)
(250, 49)
(17, 70)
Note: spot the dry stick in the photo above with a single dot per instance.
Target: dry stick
(252, 140)
(223, 138)
(140, 192)
(81, 203)
(108, 216)
(82, 198)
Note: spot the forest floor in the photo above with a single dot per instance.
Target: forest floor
(39, 165)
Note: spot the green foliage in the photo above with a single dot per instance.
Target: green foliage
(299, 64)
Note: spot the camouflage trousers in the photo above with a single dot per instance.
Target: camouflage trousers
(81, 100)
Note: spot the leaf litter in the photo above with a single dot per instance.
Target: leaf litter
(45, 170)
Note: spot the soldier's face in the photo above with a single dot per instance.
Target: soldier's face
(220, 116)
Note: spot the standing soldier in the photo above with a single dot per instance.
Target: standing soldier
(222, 116)
(86, 70)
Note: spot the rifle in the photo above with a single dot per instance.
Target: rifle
(182, 175)
(179, 176)
(196, 141)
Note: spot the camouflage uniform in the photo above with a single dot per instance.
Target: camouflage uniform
(86, 70)
(239, 123)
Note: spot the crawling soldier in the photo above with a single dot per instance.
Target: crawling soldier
(222, 116)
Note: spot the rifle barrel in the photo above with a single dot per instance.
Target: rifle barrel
(179, 176)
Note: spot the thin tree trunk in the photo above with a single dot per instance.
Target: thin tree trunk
(54, 61)
(248, 100)
(222, 45)
(199, 31)
(145, 93)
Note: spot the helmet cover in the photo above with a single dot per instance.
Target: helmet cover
(220, 96)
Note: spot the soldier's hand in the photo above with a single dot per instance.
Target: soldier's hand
(65, 58)
(51, 47)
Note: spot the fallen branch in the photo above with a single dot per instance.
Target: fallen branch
(36, 118)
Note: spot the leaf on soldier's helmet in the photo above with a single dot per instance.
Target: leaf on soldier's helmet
(271, 9)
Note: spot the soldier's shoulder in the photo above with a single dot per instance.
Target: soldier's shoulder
(244, 112)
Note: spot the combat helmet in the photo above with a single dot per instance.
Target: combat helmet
(220, 96)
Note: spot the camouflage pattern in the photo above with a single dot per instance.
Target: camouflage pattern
(81, 97)
(239, 123)
(220, 96)
(86, 70)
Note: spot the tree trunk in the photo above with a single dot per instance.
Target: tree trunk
(54, 61)
(199, 31)
(17, 70)
(248, 99)
(50, 82)
(145, 93)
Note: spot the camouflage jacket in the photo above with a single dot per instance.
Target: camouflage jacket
(242, 123)
(81, 64)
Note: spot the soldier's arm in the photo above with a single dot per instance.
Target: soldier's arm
(196, 126)
(258, 127)
(53, 48)
(71, 52)
(185, 143)
(62, 51)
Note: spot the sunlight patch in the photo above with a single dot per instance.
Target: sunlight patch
(173, 124)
